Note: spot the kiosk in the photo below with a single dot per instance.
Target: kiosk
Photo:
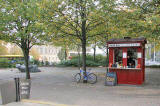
(127, 59)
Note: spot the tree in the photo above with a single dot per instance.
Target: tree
(145, 13)
(144, 20)
(110, 16)
(20, 24)
(77, 18)
(65, 43)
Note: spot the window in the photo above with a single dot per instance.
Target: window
(117, 57)
(131, 57)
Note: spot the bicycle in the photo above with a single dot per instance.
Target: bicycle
(90, 77)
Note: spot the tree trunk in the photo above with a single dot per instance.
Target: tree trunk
(79, 57)
(84, 59)
(65, 54)
(94, 54)
(83, 40)
(84, 48)
(154, 56)
(26, 58)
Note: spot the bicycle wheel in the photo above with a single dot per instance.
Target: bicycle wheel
(77, 77)
(92, 78)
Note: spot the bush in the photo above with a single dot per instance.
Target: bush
(47, 63)
(37, 62)
(99, 61)
(153, 66)
(20, 62)
(5, 63)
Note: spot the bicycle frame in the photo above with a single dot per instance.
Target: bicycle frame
(84, 77)
(90, 77)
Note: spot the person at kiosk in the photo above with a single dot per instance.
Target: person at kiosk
(130, 62)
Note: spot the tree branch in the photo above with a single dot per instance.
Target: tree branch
(97, 34)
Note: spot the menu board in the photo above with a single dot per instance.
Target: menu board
(111, 79)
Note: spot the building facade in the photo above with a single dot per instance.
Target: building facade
(48, 53)
(45, 53)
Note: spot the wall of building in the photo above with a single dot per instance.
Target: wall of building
(48, 53)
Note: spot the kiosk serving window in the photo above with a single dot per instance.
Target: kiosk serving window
(118, 54)
(131, 57)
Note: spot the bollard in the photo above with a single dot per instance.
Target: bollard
(17, 89)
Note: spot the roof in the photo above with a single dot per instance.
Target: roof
(127, 39)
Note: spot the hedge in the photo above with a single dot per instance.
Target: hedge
(99, 61)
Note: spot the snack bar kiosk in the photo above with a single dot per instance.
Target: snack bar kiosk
(127, 59)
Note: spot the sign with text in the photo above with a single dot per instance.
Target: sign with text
(125, 45)
(25, 88)
(111, 79)
(139, 55)
(124, 55)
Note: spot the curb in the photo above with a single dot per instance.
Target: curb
(43, 102)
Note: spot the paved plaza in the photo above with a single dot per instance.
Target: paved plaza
(55, 87)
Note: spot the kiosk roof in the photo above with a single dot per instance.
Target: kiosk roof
(127, 39)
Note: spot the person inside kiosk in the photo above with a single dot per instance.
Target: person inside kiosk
(131, 58)
(118, 54)
(130, 62)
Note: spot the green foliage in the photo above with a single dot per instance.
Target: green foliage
(61, 54)
(100, 61)
(21, 23)
(5, 63)
(37, 62)
(19, 62)
(153, 66)
(142, 19)
(46, 63)
(79, 19)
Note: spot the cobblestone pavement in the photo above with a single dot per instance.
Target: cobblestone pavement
(55, 86)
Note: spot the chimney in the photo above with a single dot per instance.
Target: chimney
(127, 37)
